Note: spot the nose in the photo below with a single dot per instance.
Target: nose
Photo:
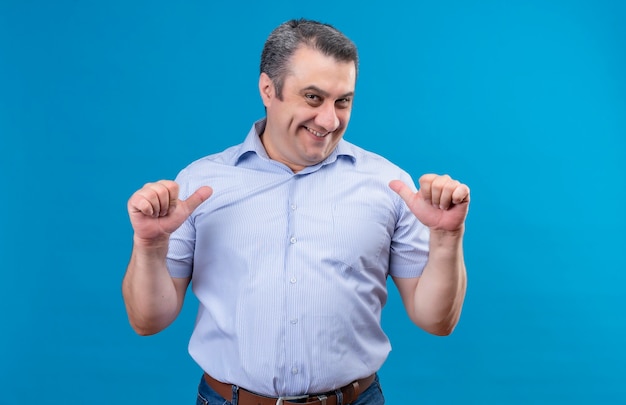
(327, 117)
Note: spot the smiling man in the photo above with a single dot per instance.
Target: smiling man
(288, 240)
(306, 121)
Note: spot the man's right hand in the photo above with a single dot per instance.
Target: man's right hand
(155, 210)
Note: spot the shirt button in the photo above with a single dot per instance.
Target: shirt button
(294, 321)
(294, 370)
(292, 280)
(293, 207)
(292, 240)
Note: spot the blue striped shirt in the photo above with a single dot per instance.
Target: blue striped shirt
(289, 269)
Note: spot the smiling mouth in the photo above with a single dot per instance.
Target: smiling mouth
(317, 134)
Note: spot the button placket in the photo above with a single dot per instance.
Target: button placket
(293, 320)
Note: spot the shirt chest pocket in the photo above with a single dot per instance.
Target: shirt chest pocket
(360, 235)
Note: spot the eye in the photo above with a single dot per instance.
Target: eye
(343, 102)
(313, 99)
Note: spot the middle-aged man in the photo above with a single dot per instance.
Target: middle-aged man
(290, 255)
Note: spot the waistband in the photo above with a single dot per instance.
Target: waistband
(349, 393)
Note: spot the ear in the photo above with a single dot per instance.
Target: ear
(266, 89)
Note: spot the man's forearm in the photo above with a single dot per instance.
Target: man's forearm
(149, 292)
(440, 292)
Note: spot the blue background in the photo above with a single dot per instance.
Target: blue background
(525, 101)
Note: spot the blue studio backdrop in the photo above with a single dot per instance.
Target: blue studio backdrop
(525, 101)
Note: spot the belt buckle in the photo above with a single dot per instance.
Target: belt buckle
(280, 400)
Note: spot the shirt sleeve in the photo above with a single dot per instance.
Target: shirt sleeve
(183, 240)
(409, 244)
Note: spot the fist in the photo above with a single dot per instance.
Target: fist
(155, 210)
(441, 203)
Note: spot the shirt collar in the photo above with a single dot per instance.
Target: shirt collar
(252, 144)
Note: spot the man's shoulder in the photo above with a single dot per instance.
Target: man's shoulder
(232, 155)
(367, 158)
(227, 157)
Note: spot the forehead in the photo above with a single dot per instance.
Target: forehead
(310, 67)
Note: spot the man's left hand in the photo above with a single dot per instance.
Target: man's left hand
(441, 203)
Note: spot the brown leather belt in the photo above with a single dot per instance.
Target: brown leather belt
(349, 393)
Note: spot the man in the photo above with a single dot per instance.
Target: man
(290, 255)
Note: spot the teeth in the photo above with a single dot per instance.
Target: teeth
(318, 134)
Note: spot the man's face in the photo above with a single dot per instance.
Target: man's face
(305, 126)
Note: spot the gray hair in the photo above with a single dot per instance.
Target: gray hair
(283, 42)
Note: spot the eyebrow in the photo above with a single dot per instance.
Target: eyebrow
(325, 93)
